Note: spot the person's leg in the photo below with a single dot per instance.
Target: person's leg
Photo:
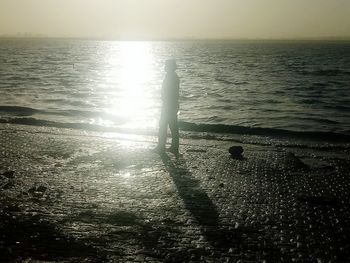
(174, 128)
(162, 134)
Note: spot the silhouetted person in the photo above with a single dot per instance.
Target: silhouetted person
(170, 108)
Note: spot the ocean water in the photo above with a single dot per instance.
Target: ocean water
(229, 86)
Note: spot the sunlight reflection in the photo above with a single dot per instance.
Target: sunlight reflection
(126, 175)
(132, 98)
(102, 122)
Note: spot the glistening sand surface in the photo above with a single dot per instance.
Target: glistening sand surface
(74, 196)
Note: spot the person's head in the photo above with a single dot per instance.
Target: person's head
(170, 65)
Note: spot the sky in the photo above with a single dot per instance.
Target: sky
(161, 19)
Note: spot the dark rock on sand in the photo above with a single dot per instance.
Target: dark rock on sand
(236, 151)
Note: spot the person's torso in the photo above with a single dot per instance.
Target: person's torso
(170, 90)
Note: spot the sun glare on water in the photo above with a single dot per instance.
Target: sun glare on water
(133, 92)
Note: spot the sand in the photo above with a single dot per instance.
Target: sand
(77, 196)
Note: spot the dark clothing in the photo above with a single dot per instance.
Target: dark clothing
(168, 118)
(170, 91)
(170, 107)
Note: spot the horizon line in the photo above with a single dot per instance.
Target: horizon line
(326, 38)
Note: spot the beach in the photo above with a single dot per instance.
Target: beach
(71, 195)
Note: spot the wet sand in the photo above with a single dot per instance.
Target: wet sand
(77, 196)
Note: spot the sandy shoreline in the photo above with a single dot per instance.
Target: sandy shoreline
(73, 196)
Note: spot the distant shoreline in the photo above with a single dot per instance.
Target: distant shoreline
(325, 39)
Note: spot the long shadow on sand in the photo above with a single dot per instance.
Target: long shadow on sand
(200, 205)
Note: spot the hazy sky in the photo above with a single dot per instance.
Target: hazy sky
(177, 18)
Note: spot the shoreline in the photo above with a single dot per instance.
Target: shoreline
(107, 197)
(218, 131)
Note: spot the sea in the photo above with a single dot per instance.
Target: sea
(256, 87)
